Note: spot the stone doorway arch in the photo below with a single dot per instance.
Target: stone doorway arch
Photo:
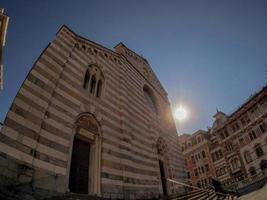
(84, 170)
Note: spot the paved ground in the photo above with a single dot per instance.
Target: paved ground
(260, 194)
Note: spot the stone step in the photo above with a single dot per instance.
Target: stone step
(74, 196)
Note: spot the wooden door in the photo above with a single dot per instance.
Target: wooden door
(79, 170)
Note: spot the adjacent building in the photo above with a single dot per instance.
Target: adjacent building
(236, 144)
(196, 149)
(3, 29)
(91, 120)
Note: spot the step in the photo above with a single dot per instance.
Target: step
(187, 195)
(199, 197)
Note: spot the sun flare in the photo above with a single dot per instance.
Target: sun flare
(181, 113)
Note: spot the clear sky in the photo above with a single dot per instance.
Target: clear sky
(207, 54)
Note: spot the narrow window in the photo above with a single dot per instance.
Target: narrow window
(193, 159)
(263, 127)
(150, 98)
(86, 80)
(195, 171)
(99, 88)
(93, 85)
(207, 167)
(203, 154)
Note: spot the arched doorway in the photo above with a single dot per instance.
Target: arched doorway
(84, 173)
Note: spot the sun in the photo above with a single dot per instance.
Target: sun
(181, 113)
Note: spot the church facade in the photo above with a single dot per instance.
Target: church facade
(91, 120)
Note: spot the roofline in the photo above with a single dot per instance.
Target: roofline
(87, 40)
(248, 100)
(121, 43)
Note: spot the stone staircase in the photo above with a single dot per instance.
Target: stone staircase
(202, 195)
(73, 196)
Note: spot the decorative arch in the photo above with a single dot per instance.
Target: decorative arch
(150, 99)
(85, 163)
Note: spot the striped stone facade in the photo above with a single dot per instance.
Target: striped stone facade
(37, 136)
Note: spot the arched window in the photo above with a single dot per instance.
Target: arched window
(94, 81)
(247, 156)
(86, 80)
(259, 151)
(150, 98)
(93, 85)
(199, 139)
(203, 154)
(99, 88)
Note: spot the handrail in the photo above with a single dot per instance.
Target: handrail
(184, 184)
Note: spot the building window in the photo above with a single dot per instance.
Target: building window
(86, 80)
(252, 171)
(188, 175)
(247, 156)
(203, 154)
(202, 170)
(252, 135)
(245, 120)
(207, 167)
(99, 88)
(235, 127)
(150, 98)
(218, 173)
(198, 184)
(193, 159)
(259, 151)
(226, 134)
(234, 163)
(195, 171)
(263, 127)
(229, 147)
(199, 139)
(91, 83)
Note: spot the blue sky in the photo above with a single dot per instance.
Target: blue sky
(207, 54)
